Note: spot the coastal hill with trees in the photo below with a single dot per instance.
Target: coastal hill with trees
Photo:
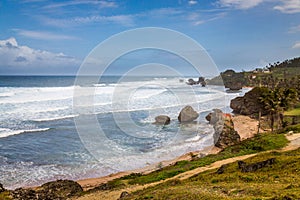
(279, 74)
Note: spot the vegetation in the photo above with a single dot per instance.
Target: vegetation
(259, 143)
(278, 181)
(277, 101)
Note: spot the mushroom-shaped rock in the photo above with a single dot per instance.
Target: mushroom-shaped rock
(187, 114)
(162, 120)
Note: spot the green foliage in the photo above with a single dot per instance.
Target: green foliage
(293, 112)
(5, 196)
(278, 181)
(262, 142)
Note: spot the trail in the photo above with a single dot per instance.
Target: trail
(115, 194)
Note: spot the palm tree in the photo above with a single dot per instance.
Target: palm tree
(276, 102)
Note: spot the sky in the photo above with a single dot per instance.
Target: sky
(47, 37)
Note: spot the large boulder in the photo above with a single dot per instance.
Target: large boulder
(187, 114)
(162, 120)
(60, 189)
(23, 194)
(55, 190)
(250, 103)
(224, 135)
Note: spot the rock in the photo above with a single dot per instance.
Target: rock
(60, 189)
(224, 135)
(249, 104)
(187, 114)
(24, 194)
(255, 166)
(2, 189)
(222, 169)
(191, 82)
(215, 116)
(123, 195)
(162, 120)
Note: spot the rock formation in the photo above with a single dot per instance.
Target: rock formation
(224, 135)
(187, 114)
(2, 189)
(55, 190)
(255, 166)
(249, 104)
(162, 120)
(201, 81)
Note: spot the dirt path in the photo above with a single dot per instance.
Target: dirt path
(113, 195)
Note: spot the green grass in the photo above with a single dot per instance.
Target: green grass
(294, 112)
(262, 142)
(5, 196)
(278, 181)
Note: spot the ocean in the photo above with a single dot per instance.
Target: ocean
(40, 141)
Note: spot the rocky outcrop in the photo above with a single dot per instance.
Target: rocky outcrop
(201, 81)
(255, 166)
(250, 103)
(162, 120)
(55, 190)
(187, 114)
(224, 135)
(2, 189)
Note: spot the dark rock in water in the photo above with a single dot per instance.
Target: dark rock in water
(250, 103)
(2, 189)
(162, 120)
(255, 166)
(123, 195)
(187, 114)
(201, 81)
(60, 189)
(191, 82)
(224, 135)
(24, 194)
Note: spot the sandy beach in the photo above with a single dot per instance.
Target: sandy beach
(244, 125)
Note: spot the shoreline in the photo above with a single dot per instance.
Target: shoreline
(244, 125)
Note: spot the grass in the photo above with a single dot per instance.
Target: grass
(259, 143)
(5, 196)
(294, 112)
(278, 181)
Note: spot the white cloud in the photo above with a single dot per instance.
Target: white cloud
(296, 45)
(289, 6)
(43, 35)
(101, 4)
(294, 29)
(15, 56)
(124, 20)
(196, 19)
(192, 2)
(240, 4)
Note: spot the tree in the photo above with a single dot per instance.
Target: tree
(276, 102)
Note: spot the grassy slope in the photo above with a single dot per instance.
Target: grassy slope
(278, 181)
(259, 143)
(294, 112)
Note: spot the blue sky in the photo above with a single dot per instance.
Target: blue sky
(53, 37)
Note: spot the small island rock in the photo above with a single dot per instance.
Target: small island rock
(162, 120)
(187, 114)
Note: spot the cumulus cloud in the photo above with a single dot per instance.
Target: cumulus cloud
(296, 45)
(289, 6)
(17, 58)
(240, 4)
